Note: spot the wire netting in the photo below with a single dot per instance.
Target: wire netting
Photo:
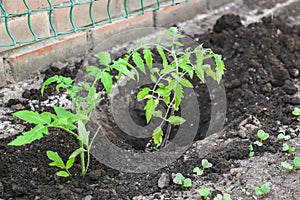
(6, 16)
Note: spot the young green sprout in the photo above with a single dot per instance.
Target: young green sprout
(296, 112)
(262, 135)
(222, 197)
(292, 167)
(282, 136)
(288, 149)
(246, 192)
(262, 191)
(205, 165)
(204, 192)
(179, 179)
(58, 162)
(251, 151)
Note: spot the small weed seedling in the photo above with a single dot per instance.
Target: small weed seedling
(262, 191)
(292, 167)
(205, 165)
(296, 112)
(246, 192)
(222, 197)
(288, 149)
(179, 179)
(262, 135)
(282, 136)
(251, 150)
(204, 192)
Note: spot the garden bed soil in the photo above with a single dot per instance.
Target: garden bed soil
(262, 87)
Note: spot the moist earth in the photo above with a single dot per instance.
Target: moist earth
(261, 82)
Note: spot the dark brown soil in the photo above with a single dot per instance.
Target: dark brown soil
(262, 61)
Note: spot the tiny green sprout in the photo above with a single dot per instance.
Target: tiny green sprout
(262, 190)
(262, 135)
(246, 192)
(204, 192)
(288, 149)
(58, 162)
(282, 136)
(296, 112)
(162, 197)
(251, 151)
(224, 197)
(292, 167)
(205, 165)
(179, 179)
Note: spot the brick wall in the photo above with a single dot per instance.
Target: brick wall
(22, 61)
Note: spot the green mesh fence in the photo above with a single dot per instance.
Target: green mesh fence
(6, 17)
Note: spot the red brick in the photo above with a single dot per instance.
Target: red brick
(20, 30)
(26, 62)
(19, 6)
(113, 34)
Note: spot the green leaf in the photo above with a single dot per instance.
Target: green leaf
(153, 78)
(138, 61)
(162, 55)
(204, 192)
(262, 135)
(28, 137)
(178, 92)
(178, 43)
(62, 174)
(185, 83)
(287, 165)
(143, 93)
(206, 164)
(265, 188)
(297, 162)
(65, 82)
(57, 161)
(227, 197)
(122, 67)
(296, 111)
(83, 134)
(219, 68)
(148, 57)
(150, 109)
(159, 38)
(93, 71)
(175, 120)
(198, 171)
(158, 113)
(163, 92)
(33, 117)
(285, 147)
(258, 191)
(77, 152)
(157, 135)
(187, 183)
(104, 58)
(106, 80)
(178, 179)
(70, 163)
(166, 99)
(62, 113)
(198, 68)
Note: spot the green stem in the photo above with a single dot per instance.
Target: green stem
(82, 159)
(64, 129)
